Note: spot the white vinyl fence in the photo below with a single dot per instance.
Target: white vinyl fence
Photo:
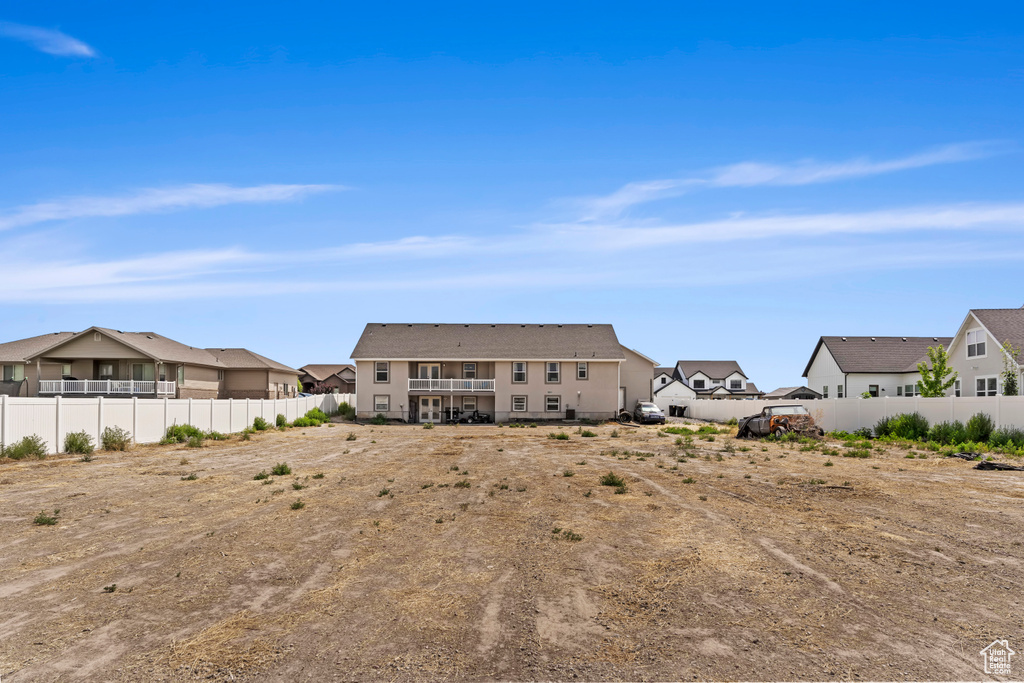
(849, 414)
(147, 419)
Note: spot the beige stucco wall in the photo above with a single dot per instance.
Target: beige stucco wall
(972, 368)
(397, 388)
(87, 347)
(636, 375)
(595, 397)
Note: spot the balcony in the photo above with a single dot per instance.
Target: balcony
(105, 387)
(452, 385)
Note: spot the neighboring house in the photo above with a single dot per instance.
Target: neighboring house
(847, 367)
(105, 362)
(340, 378)
(419, 372)
(715, 379)
(793, 394)
(976, 351)
(662, 376)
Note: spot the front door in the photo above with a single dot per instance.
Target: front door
(430, 408)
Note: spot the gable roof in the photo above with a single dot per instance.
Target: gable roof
(714, 369)
(664, 371)
(19, 351)
(404, 341)
(785, 392)
(322, 372)
(877, 354)
(147, 343)
(1005, 324)
(244, 359)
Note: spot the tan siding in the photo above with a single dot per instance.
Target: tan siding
(636, 375)
(86, 347)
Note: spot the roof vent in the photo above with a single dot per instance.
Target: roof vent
(904, 339)
(436, 325)
(149, 336)
(844, 338)
(492, 325)
(540, 326)
(935, 339)
(559, 325)
(465, 325)
(589, 325)
(384, 325)
(872, 339)
(522, 326)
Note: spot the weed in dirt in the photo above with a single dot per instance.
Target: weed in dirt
(439, 520)
(443, 486)
(909, 455)
(462, 484)
(29, 446)
(752, 462)
(43, 519)
(78, 442)
(582, 462)
(191, 477)
(464, 473)
(86, 458)
(428, 425)
(828, 463)
(502, 487)
(689, 480)
(560, 436)
(383, 492)
(729, 448)
(744, 449)
(568, 473)
(718, 457)
(297, 486)
(351, 437)
(276, 491)
(588, 493)
(721, 476)
(674, 467)
(615, 434)
(195, 442)
(857, 453)
(262, 474)
(620, 489)
(764, 448)
(612, 479)
(463, 506)
(815, 482)
(268, 481)
(587, 434)
(702, 497)
(427, 486)
(500, 450)
(216, 436)
(281, 469)
(260, 425)
(846, 483)
(746, 476)
(390, 481)
(569, 535)
(454, 468)
(116, 439)
(318, 475)
(110, 589)
(533, 425)
(298, 504)
(520, 489)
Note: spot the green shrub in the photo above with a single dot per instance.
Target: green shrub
(428, 425)
(216, 436)
(116, 439)
(1007, 437)
(884, 426)
(560, 436)
(260, 425)
(281, 421)
(912, 426)
(612, 479)
(29, 446)
(78, 442)
(347, 411)
(317, 415)
(181, 434)
(732, 421)
(305, 422)
(586, 433)
(706, 429)
(863, 433)
(262, 475)
(281, 469)
(379, 419)
(43, 519)
(979, 428)
(948, 432)
(195, 441)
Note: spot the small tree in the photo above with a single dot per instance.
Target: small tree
(933, 381)
(1011, 368)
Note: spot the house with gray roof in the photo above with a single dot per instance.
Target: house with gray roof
(792, 394)
(338, 378)
(976, 352)
(101, 361)
(844, 367)
(510, 372)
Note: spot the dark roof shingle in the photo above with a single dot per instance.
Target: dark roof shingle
(320, 372)
(1005, 324)
(715, 369)
(878, 354)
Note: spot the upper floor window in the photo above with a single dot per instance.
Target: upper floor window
(469, 370)
(664, 380)
(382, 371)
(735, 384)
(976, 343)
(554, 372)
(581, 371)
(519, 372)
(698, 384)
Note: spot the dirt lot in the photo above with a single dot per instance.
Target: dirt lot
(734, 564)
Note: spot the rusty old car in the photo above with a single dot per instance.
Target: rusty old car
(778, 421)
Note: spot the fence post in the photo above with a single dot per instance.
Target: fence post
(56, 446)
(99, 420)
(165, 419)
(135, 418)
(247, 422)
(211, 417)
(231, 414)
(999, 411)
(3, 421)
(189, 410)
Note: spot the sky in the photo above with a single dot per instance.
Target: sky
(716, 180)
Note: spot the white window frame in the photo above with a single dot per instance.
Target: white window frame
(824, 391)
(986, 379)
(557, 372)
(469, 403)
(377, 370)
(582, 371)
(469, 371)
(519, 372)
(977, 334)
(557, 403)
(957, 388)
(899, 390)
(380, 406)
(910, 390)
(702, 384)
(519, 400)
(839, 391)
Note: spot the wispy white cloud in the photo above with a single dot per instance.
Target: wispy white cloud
(751, 173)
(50, 41)
(153, 200)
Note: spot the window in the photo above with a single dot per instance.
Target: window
(698, 384)
(381, 372)
(956, 388)
(839, 391)
(518, 404)
(735, 384)
(142, 372)
(220, 375)
(873, 390)
(14, 373)
(65, 370)
(899, 391)
(976, 344)
(986, 386)
(581, 371)
(824, 391)
(716, 382)
(469, 370)
(106, 371)
(909, 390)
(554, 373)
(181, 374)
(553, 404)
(381, 403)
(519, 375)
(469, 403)
(664, 380)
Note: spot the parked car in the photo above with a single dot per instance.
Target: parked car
(647, 413)
(474, 417)
(779, 420)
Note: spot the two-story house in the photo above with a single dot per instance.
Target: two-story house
(715, 379)
(847, 367)
(512, 372)
(976, 352)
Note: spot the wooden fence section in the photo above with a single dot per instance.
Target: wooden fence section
(147, 419)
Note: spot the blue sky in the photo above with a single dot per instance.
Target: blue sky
(718, 182)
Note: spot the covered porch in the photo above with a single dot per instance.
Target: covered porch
(449, 408)
(106, 387)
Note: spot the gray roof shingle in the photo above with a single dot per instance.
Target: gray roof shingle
(715, 369)
(484, 341)
(320, 372)
(242, 359)
(878, 354)
(20, 350)
(1005, 324)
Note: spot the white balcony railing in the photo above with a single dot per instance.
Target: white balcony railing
(470, 385)
(126, 387)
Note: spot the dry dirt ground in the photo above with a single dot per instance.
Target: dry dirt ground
(743, 566)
